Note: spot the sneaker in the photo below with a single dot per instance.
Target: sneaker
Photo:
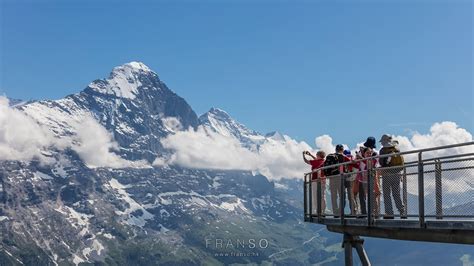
(403, 217)
(388, 216)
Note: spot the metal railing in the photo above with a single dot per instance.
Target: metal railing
(434, 183)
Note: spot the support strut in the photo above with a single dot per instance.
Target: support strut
(356, 242)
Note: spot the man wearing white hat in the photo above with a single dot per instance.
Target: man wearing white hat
(391, 177)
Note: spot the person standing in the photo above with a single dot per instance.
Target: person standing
(318, 176)
(376, 193)
(334, 175)
(362, 180)
(391, 168)
(350, 182)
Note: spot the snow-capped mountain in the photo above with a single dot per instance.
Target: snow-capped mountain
(15, 102)
(156, 215)
(67, 213)
(125, 81)
(219, 121)
(130, 103)
(275, 135)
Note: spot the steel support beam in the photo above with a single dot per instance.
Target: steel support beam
(412, 234)
(348, 243)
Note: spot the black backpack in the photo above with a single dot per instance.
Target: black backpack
(332, 159)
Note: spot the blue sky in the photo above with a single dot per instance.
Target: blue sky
(344, 68)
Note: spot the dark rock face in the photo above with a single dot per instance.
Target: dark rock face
(136, 123)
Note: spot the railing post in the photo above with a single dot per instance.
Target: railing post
(305, 198)
(310, 202)
(319, 194)
(306, 212)
(347, 245)
(342, 196)
(439, 191)
(370, 185)
(421, 190)
(405, 193)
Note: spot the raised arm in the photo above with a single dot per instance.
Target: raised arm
(304, 158)
(309, 154)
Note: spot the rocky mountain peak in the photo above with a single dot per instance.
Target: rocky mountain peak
(135, 66)
(218, 113)
(219, 121)
(130, 104)
(275, 135)
(125, 81)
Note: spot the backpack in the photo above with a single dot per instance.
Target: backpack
(396, 160)
(332, 159)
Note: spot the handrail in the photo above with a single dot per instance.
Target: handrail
(441, 157)
(393, 154)
(422, 168)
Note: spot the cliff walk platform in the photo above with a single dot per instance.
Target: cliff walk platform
(435, 201)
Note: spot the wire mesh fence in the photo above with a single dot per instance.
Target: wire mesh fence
(428, 186)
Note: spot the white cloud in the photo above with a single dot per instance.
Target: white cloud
(201, 149)
(159, 161)
(95, 146)
(324, 143)
(172, 123)
(23, 138)
(210, 150)
(441, 134)
(282, 158)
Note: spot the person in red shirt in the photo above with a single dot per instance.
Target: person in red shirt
(317, 162)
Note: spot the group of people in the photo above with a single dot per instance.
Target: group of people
(355, 174)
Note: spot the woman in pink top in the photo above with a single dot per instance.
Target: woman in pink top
(362, 181)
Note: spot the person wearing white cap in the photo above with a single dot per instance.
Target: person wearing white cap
(391, 176)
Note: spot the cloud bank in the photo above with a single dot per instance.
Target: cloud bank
(277, 159)
(205, 149)
(22, 138)
(441, 134)
(95, 145)
(202, 149)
